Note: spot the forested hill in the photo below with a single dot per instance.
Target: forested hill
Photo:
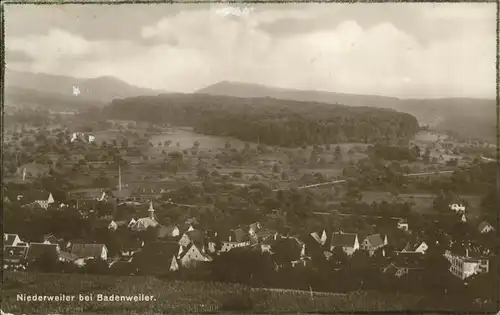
(467, 117)
(272, 121)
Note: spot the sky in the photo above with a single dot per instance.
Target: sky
(406, 50)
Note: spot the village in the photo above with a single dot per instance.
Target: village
(187, 209)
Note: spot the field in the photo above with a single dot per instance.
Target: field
(181, 297)
(187, 138)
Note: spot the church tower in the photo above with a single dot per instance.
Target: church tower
(151, 211)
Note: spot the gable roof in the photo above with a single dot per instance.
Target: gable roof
(87, 250)
(38, 249)
(343, 239)
(375, 240)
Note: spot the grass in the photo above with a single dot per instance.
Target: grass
(180, 297)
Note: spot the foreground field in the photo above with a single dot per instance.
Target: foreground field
(181, 297)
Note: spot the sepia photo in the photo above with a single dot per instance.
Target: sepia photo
(237, 157)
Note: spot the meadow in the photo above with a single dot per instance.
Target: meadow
(187, 138)
(176, 297)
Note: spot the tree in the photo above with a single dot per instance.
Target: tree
(196, 144)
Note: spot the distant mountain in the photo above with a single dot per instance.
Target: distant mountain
(101, 89)
(464, 116)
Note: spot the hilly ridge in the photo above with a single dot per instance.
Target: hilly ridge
(101, 89)
(464, 116)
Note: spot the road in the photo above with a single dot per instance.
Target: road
(358, 215)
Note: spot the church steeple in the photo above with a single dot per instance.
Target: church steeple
(151, 210)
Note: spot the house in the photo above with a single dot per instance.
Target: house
(464, 266)
(485, 227)
(236, 238)
(130, 247)
(347, 241)
(171, 231)
(40, 197)
(11, 239)
(51, 239)
(418, 246)
(145, 223)
(457, 207)
(97, 194)
(67, 257)
(193, 256)
(288, 250)
(403, 225)
(114, 225)
(36, 250)
(14, 257)
(160, 257)
(96, 251)
(404, 263)
(373, 242)
(254, 228)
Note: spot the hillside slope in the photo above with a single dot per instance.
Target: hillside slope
(268, 120)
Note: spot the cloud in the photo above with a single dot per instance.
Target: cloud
(189, 49)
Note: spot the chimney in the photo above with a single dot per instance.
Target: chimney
(466, 252)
